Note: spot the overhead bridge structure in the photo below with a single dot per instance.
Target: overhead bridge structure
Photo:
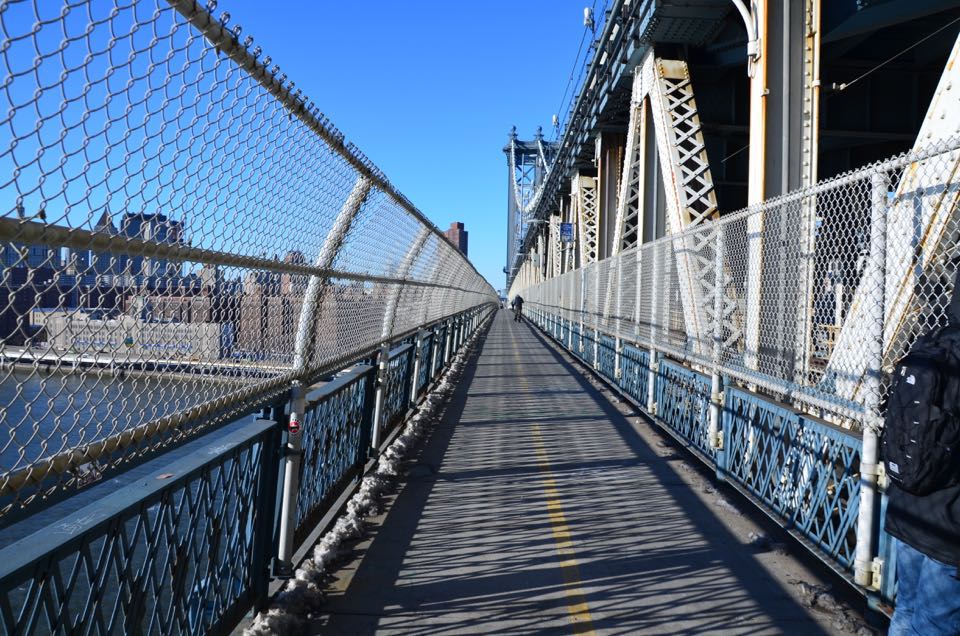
(755, 238)
(246, 384)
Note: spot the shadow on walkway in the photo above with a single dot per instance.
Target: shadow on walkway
(536, 507)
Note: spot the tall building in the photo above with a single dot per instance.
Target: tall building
(138, 270)
(156, 228)
(105, 265)
(458, 236)
(293, 283)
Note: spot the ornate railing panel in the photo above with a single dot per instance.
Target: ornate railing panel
(683, 401)
(180, 552)
(635, 373)
(606, 356)
(397, 385)
(804, 470)
(334, 441)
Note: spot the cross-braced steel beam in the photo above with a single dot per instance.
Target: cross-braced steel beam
(587, 212)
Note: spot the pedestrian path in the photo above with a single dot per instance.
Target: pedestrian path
(539, 506)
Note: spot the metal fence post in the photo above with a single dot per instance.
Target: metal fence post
(383, 369)
(435, 346)
(618, 343)
(409, 380)
(596, 316)
(863, 564)
(714, 434)
(291, 481)
(417, 363)
(716, 397)
(583, 298)
(654, 309)
(303, 348)
(367, 419)
(637, 285)
(447, 342)
(265, 525)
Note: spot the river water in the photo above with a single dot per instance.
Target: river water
(44, 412)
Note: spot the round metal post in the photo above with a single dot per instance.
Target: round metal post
(303, 348)
(291, 480)
(716, 395)
(652, 351)
(417, 363)
(863, 563)
(383, 368)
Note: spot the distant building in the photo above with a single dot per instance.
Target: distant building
(130, 336)
(104, 264)
(148, 271)
(211, 279)
(32, 256)
(155, 228)
(293, 283)
(458, 236)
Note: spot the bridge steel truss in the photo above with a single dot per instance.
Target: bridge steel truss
(853, 269)
(189, 246)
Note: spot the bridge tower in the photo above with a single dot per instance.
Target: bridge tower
(527, 165)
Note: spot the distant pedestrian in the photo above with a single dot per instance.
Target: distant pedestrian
(517, 305)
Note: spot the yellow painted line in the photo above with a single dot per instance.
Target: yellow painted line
(577, 605)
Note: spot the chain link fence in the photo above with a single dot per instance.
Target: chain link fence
(182, 235)
(814, 295)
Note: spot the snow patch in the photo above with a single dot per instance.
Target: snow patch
(302, 595)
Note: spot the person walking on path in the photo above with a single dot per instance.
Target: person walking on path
(517, 305)
(921, 448)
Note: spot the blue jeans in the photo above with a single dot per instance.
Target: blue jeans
(928, 595)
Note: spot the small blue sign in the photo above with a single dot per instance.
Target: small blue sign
(566, 232)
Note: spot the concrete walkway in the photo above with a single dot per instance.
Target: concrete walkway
(540, 505)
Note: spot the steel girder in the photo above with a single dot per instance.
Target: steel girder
(916, 248)
(691, 201)
(556, 247)
(587, 211)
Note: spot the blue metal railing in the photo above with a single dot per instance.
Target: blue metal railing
(803, 471)
(181, 551)
(397, 386)
(634, 377)
(606, 355)
(189, 549)
(334, 442)
(683, 403)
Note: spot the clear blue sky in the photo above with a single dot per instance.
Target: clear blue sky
(429, 90)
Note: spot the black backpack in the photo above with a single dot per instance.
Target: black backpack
(920, 442)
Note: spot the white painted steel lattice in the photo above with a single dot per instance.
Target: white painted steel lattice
(587, 212)
(183, 234)
(873, 282)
